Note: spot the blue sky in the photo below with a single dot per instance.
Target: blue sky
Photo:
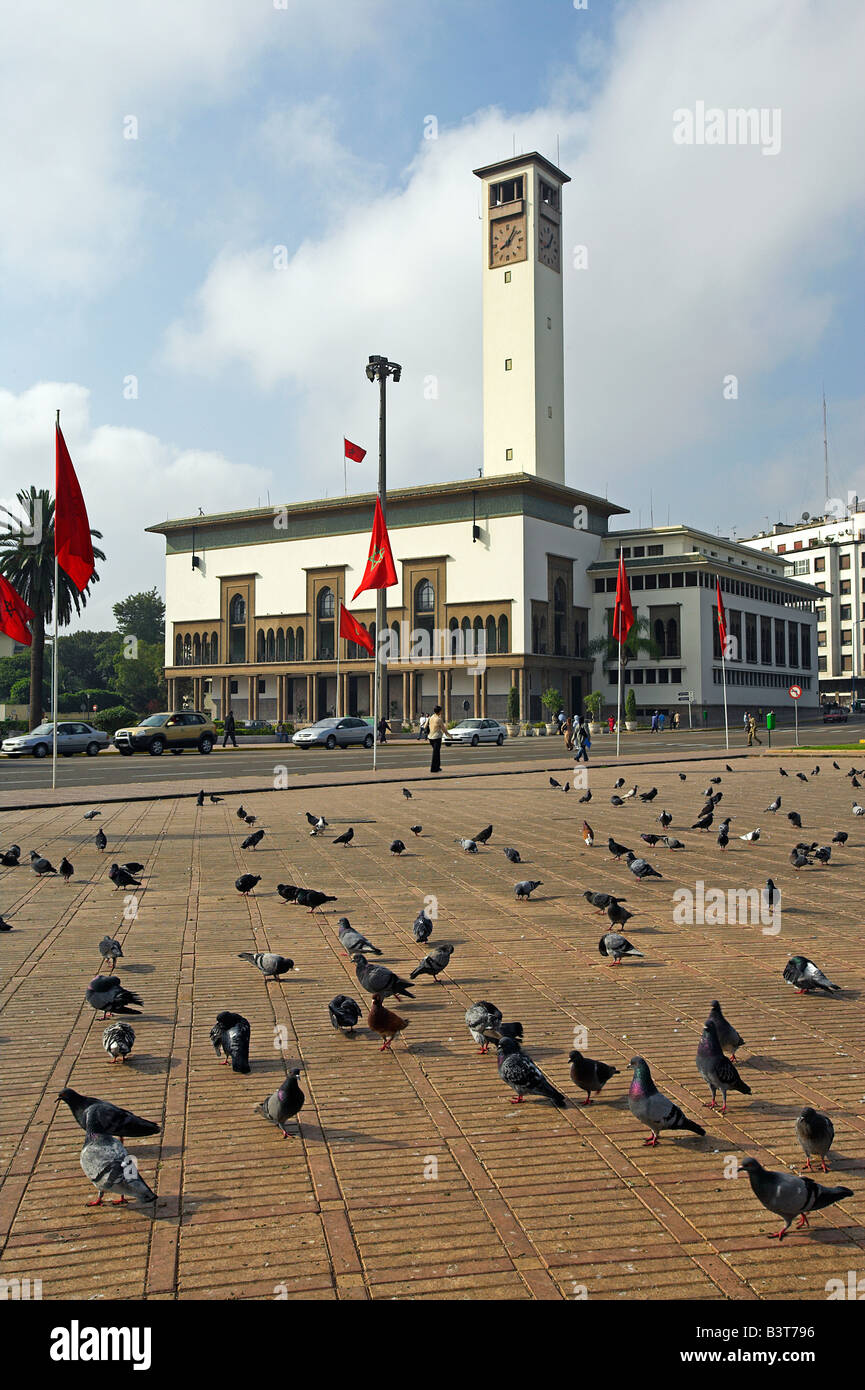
(260, 127)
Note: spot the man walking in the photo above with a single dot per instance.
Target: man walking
(752, 731)
(435, 733)
(584, 742)
(229, 729)
(421, 726)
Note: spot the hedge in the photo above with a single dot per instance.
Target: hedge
(113, 719)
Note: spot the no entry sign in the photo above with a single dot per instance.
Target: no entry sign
(795, 691)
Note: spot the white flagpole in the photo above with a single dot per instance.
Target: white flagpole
(338, 687)
(375, 704)
(726, 725)
(619, 708)
(56, 652)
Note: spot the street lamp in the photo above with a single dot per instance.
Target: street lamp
(378, 369)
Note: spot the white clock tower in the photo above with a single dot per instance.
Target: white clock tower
(523, 341)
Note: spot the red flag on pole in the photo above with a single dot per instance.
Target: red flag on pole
(72, 544)
(14, 613)
(722, 621)
(353, 631)
(623, 613)
(380, 572)
(353, 451)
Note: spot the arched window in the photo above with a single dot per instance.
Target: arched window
(325, 608)
(238, 610)
(289, 651)
(424, 607)
(491, 635)
(280, 644)
(178, 650)
(326, 603)
(259, 645)
(299, 644)
(270, 646)
(504, 640)
(196, 650)
(466, 625)
(660, 636)
(237, 629)
(479, 635)
(205, 650)
(187, 650)
(394, 642)
(214, 647)
(559, 625)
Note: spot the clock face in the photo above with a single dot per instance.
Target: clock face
(507, 241)
(548, 243)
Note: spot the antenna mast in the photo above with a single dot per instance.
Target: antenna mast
(825, 449)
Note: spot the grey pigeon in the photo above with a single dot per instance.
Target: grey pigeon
(815, 1132)
(469, 846)
(775, 805)
(422, 928)
(352, 941)
(601, 900)
(118, 1040)
(270, 964)
(252, 840)
(482, 1021)
(397, 847)
(619, 916)
(641, 868)
(589, 1075)
(107, 993)
(653, 1109)
(132, 867)
(670, 842)
(434, 963)
(823, 854)
(284, 1103)
(344, 1012)
(523, 1075)
(788, 1196)
(612, 944)
(524, 890)
(10, 857)
(512, 854)
(246, 882)
(230, 1035)
(729, 1039)
(346, 837)
(111, 1168)
(377, 979)
(110, 950)
(101, 839)
(101, 1117)
(216, 799)
(39, 865)
(665, 819)
(717, 1071)
(312, 898)
(91, 815)
(806, 976)
(66, 870)
(122, 878)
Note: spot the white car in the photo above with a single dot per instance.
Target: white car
(475, 731)
(333, 733)
(73, 736)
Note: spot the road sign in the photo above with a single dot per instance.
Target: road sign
(795, 691)
(685, 696)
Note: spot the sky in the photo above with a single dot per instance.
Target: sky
(212, 212)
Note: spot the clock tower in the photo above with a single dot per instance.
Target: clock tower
(523, 341)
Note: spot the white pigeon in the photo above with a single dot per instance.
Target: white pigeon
(751, 835)
(470, 846)
(858, 810)
(632, 792)
(776, 805)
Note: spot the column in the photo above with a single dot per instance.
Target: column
(251, 684)
(483, 685)
(476, 696)
(522, 690)
(310, 699)
(446, 703)
(406, 688)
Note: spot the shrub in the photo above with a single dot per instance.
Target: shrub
(594, 703)
(113, 719)
(631, 706)
(513, 715)
(552, 702)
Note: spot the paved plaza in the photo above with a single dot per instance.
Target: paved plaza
(413, 1176)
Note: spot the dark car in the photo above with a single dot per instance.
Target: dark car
(835, 714)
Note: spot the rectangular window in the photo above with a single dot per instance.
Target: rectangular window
(678, 579)
(780, 642)
(844, 562)
(806, 647)
(233, 690)
(846, 663)
(655, 550)
(692, 578)
(751, 637)
(821, 614)
(509, 363)
(802, 567)
(766, 641)
(638, 677)
(793, 641)
(676, 674)
(599, 586)
(639, 552)
(846, 636)
(663, 581)
(845, 612)
(651, 581)
(636, 582)
(663, 675)
(611, 586)
(819, 563)
(844, 586)
(509, 453)
(821, 663)
(821, 639)
(651, 676)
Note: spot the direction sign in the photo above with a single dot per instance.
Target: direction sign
(795, 691)
(685, 696)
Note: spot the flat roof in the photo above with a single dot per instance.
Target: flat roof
(516, 161)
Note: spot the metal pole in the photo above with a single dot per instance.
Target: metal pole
(619, 706)
(726, 724)
(338, 688)
(55, 652)
(381, 594)
(796, 712)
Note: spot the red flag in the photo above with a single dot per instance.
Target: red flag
(351, 629)
(380, 572)
(14, 613)
(72, 544)
(722, 621)
(623, 613)
(353, 451)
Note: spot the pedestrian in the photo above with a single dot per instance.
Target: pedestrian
(568, 732)
(661, 721)
(674, 722)
(421, 726)
(655, 722)
(752, 731)
(584, 742)
(229, 730)
(435, 733)
(611, 723)
(560, 718)
(746, 719)
(383, 730)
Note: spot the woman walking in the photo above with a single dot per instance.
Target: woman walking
(568, 731)
(435, 733)
(584, 742)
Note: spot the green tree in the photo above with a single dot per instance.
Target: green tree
(552, 702)
(638, 641)
(27, 561)
(142, 616)
(139, 676)
(12, 669)
(87, 660)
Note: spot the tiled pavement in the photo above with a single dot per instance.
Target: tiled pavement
(414, 1176)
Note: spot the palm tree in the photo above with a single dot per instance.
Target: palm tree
(638, 641)
(27, 561)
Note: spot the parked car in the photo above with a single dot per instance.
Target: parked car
(72, 737)
(835, 714)
(174, 730)
(475, 731)
(333, 733)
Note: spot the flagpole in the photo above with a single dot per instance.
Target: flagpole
(726, 725)
(375, 703)
(56, 652)
(338, 687)
(619, 709)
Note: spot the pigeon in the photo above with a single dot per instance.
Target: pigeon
(823, 854)
(110, 950)
(775, 806)
(617, 851)
(4, 925)
(653, 1109)
(802, 776)
(788, 1196)
(422, 928)
(512, 854)
(241, 814)
(555, 784)
(91, 815)
(805, 975)
(858, 810)
(406, 793)
(715, 781)
(346, 837)
(353, 941)
(855, 782)
(840, 837)
(782, 772)
(110, 1168)
(117, 1039)
(620, 782)
(670, 842)
(121, 878)
(216, 799)
(815, 771)
(799, 858)
(101, 839)
(717, 1071)
(66, 870)
(484, 836)
(105, 992)
(318, 823)
(39, 865)
(719, 796)
(752, 835)
(484, 1021)
(641, 868)
(101, 1117)
(665, 819)
(397, 847)
(650, 795)
(200, 798)
(600, 900)
(815, 1132)
(616, 801)
(287, 891)
(588, 834)
(415, 829)
(434, 963)
(632, 792)
(252, 840)
(249, 820)
(683, 777)
(652, 839)
(523, 1075)
(524, 890)
(9, 858)
(377, 979)
(344, 1012)
(723, 837)
(612, 944)
(132, 867)
(728, 1038)
(707, 810)
(589, 1075)
(384, 1022)
(835, 765)
(270, 965)
(619, 916)
(795, 819)
(469, 846)
(703, 822)
(771, 894)
(230, 1035)
(727, 767)
(586, 798)
(246, 882)
(312, 898)
(284, 1103)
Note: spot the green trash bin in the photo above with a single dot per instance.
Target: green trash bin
(770, 719)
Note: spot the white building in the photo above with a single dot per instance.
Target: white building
(829, 552)
(514, 557)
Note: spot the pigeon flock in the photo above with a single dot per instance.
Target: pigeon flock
(113, 1171)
